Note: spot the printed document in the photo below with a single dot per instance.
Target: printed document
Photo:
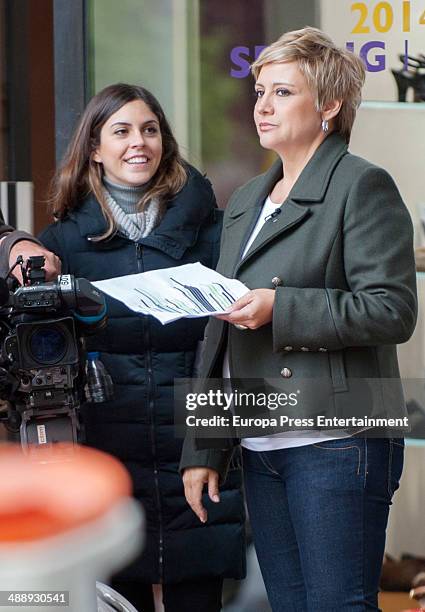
(189, 291)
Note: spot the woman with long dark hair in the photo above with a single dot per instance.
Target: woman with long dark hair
(126, 202)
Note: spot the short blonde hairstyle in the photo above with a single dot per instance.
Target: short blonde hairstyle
(331, 73)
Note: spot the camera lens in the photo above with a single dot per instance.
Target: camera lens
(47, 345)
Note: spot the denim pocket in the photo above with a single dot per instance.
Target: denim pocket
(395, 464)
(340, 463)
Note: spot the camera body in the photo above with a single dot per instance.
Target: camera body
(43, 326)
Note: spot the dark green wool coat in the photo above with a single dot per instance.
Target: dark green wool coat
(343, 248)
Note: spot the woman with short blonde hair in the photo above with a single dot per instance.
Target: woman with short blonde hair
(330, 72)
(325, 244)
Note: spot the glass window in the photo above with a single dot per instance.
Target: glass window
(151, 43)
(194, 55)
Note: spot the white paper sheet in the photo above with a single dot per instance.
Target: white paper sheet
(189, 291)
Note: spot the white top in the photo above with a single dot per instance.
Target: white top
(285, 439)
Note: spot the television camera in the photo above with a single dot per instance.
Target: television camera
(43, 326)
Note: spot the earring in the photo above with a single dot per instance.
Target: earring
(325, 125)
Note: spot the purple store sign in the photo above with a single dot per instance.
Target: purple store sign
(241, 57)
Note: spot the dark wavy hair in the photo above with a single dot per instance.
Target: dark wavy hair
(79, 175)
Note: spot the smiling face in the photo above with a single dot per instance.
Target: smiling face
(130, 148)
(285, 114)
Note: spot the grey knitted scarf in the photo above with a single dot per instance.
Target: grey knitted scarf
(122, 202)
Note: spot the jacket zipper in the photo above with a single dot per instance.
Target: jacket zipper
(151, 406)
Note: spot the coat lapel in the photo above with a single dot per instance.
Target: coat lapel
(239, 226)
(309, 189)
(293, 214)
(244, 213)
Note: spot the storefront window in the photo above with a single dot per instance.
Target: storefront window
(380, 32)
(195, 55)
(154, 44)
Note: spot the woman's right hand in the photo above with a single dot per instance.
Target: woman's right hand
(194, 480)
(252, 310)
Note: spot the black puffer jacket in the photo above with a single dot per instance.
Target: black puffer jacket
(143, 358)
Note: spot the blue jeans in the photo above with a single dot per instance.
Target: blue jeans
(319, 515)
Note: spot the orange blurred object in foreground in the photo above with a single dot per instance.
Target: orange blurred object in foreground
(53, 495)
